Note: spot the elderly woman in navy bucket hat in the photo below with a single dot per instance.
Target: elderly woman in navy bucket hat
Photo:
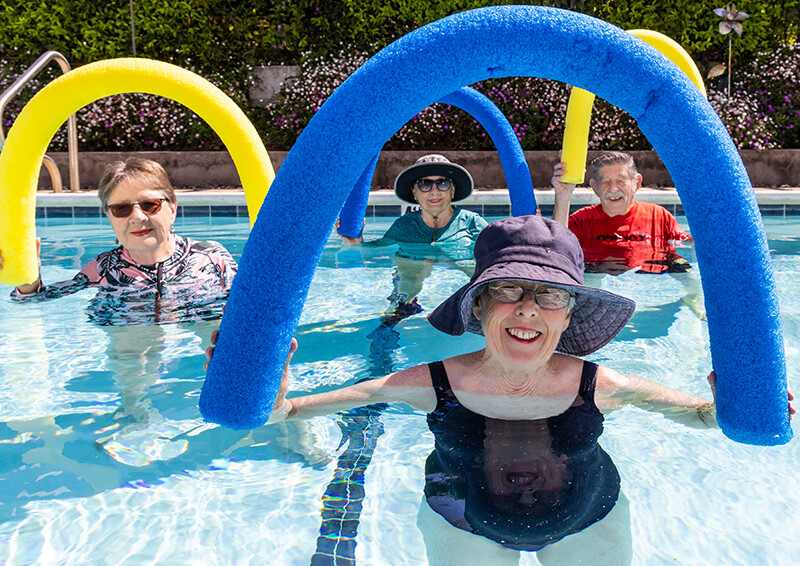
(517, 465)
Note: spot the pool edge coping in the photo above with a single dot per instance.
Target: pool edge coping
(488, 201)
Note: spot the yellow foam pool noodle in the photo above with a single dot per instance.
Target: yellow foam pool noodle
(674, 52)
(579, 108)
(39, 120)
(576, 134)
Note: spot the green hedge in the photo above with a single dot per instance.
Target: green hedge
(694, 25)
(230, 35)
(223, 39)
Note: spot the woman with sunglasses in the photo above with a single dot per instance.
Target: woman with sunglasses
(152, 265)
(433, 183)
(437, 231)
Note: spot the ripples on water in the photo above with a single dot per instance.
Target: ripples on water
(104, 458)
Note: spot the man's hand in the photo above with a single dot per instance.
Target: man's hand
(562, 188)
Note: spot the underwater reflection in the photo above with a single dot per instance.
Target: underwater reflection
(527, 485)
(646, 256)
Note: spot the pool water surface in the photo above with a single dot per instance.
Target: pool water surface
(105, 459)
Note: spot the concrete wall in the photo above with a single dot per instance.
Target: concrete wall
(268, 82)
(211, 169)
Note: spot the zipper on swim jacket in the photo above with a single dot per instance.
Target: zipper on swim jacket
(159, 280)
(159, 291)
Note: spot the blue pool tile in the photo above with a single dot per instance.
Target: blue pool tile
(224, 210)
(476, 208)
(387, 210)
(772, 209)
(496, 210)
(87, 211)
(59, 212)
(196, 210)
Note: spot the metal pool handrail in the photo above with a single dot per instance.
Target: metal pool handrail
(72, 128)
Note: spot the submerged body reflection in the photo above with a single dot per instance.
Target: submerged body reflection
(524, 484)
(646, 256)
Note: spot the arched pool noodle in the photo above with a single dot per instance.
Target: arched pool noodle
(40, 119)
(280, 256)
(579, 107)
(351, 218)
(512, 158)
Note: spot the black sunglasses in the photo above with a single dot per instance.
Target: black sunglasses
(426, 185)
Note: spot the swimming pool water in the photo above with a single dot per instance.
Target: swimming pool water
(104, 458)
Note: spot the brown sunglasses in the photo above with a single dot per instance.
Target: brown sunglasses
(125, 209)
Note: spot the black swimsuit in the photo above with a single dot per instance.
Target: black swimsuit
(522, 483)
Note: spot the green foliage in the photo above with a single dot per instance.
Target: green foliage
(222, 40)
(216, 37)
(227, 35)
(693, 24)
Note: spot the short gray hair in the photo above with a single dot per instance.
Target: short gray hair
(613, 158)
(147, 172)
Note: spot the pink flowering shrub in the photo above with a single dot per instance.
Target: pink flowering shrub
(124, 122)
(748, 126)
(762, 113)
(772, 81)
(285, 117)
(535, 108)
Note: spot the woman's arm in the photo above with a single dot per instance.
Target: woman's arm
(411, 386)
(29, 289)
(348, 239)
(37, 291)
(615, 390)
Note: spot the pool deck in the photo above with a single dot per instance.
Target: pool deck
(486, 201)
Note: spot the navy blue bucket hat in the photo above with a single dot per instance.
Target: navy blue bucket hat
(430, 166)
(536, 249)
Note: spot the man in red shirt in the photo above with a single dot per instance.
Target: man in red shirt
(620, 233)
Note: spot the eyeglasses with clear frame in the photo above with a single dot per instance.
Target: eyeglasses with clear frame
(548, 298)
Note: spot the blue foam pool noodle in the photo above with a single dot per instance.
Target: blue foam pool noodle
(351, 218)
(512, 158)
(336, 147)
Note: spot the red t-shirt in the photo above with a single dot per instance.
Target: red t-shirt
(640, 238)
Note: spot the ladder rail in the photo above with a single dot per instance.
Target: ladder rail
(72, 127)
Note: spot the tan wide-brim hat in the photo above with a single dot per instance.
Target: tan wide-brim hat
(430, 166)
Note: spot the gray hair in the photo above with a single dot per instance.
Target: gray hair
(613, 158)
(146, 172)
